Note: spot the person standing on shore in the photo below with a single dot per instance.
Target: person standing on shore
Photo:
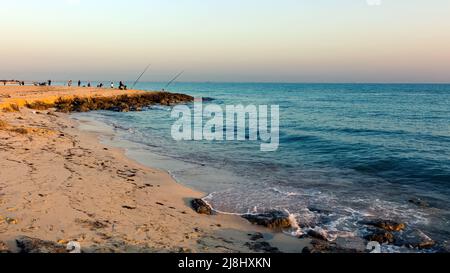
(49, 83)
(69, 83)
(112, 85)
(89, 84)
(79, 83)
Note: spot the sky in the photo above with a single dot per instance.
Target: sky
(226, 40)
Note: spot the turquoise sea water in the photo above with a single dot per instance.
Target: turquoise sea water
(347, 152)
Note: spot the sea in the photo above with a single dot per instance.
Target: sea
(347, 153)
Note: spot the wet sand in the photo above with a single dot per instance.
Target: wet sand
(60, 184)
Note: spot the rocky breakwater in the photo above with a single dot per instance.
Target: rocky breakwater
(120, 103)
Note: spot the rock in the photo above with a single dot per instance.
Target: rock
(318, 246)
(381, 236)
(443, 247)
(387, 225)
(419, 202)
(318, 233)
(306, 250)
(201, 207)
(273, 219)
(4, 248)
(383, 231)
(91, 224)
(135, 109)
(341, 245)
(353, 244)
(122, 103)
(256, 236)
(319, 210)
(414, 239)
(321, 246)
(11, 221)
(262, 247)
(129, 207)
(33, 245)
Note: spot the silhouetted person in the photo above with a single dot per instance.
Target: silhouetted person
(49, 83)
(122, 86)
(79, 83)
(89, 84)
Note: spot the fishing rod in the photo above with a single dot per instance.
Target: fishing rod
(145, 70)
(174, 79)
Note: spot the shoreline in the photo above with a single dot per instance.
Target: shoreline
(63, 184)
(231, 224)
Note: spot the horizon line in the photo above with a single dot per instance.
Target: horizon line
(261, 82)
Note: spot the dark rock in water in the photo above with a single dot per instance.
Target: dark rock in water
(381, 236)
(135, 109)
(414, 239)
(4, 248)
(262, 247)
(387, 225)
(256, 236)
(306, 250)
(273, 219)
(321, 246)
(443, 247)
(419, 202)
(33, 245)
(353, 244)
(319, 210)
(318, 234)
(201, 207)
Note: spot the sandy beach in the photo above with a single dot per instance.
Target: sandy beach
(60, 184)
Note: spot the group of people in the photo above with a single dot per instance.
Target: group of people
(21, 83)
(122, 86)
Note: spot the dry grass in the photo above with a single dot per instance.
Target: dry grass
(39, 105)
(11, 108)
(14, 107)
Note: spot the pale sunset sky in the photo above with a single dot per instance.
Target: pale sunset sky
(226, 40)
